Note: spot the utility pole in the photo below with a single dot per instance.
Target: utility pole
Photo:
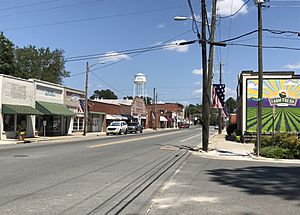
(211, 44)
(153, 110)
(85, 98)
(157, 120)
(220, 118)
(206, 87)
(260, 77)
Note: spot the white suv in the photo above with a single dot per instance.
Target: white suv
(117, 127)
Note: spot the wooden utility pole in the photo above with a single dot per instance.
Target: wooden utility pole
(211, 44)
(260, 77)
(154, 115)
(220, 118)
(206, 87)
(85, 99)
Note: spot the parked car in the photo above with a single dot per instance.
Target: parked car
(134, 127)
(184, 125)
(117, 127)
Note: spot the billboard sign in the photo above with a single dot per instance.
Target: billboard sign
(284, 95)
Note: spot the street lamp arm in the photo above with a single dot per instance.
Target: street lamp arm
(183, 18)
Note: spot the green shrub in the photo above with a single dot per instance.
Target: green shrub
(285, 145)
(276, 152)
(266, 141)
(238, 138)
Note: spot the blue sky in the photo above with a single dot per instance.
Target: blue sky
(82, 27)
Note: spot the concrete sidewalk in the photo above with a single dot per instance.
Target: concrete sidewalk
(220, 148)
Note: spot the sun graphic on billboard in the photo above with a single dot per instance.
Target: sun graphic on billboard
(283, 95)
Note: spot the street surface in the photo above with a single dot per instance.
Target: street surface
(149, 173)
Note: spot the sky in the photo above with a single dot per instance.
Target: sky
(109, 27)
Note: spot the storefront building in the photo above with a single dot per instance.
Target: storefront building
(73, 99)
(50, 101)
(165, 115)
(130, 110)
(17, 107)
(103, 114)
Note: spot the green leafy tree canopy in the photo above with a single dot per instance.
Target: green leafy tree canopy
(104, 94)
(230, 105)
(6, 56)
(40, 63)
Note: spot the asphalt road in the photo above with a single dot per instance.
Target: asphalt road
(150, 173)
(107, 175)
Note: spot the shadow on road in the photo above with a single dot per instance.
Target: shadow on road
(282, 182)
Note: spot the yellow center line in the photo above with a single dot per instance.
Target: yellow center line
(126, 141)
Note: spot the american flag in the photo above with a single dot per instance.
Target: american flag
(81, 106)
(218, 96)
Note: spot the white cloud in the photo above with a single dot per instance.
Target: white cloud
(114, 57)
(178, 48)
(290, 83)
(197, 83)
(160, 26)
(293, 66)
(229, 7)
(197, 92)
(252, 85)
(198, 71)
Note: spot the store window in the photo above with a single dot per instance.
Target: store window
(21, 122)
(56, 123)
(75, 123)
(9, 122)
(78, 123)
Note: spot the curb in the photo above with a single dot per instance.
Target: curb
(274, 160)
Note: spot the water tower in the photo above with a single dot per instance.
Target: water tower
(139, 87)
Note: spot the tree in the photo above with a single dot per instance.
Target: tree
(230, 105)
(148, 100)
(6, 56)
(42, 64)
(128, 97)
(104, 94)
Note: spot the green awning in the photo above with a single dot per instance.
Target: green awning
(48, 108)
(19, 109)
(96, 113)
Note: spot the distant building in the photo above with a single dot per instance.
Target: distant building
(165, 115)
(126, 109)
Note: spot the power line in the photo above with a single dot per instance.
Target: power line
(194, 22)
(285, 1)
(108, 84)
(265, 29)
(117, 53)
(284, 38)
(93, 18)
(284, 6)
(29, 5)
(137, 54)
(51, 8)
(172, 38)
(224, 17)
(265, 47)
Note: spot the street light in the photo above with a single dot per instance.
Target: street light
(183, 18)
